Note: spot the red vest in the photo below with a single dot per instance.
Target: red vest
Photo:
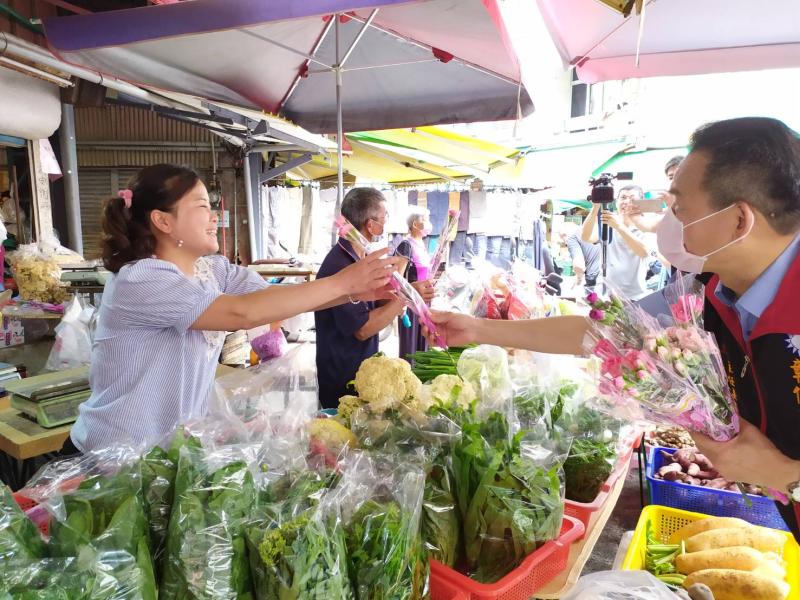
(764, 373)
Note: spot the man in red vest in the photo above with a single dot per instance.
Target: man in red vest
(736, 221)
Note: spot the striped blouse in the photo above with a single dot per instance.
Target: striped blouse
(149, 370)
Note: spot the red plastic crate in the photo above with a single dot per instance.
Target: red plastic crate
(583, 511)
(536, 571)
(441, 589)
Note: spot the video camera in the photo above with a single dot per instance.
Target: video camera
(603, 187)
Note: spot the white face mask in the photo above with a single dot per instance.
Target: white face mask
(670, 242)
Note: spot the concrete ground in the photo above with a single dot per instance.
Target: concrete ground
(624, 518)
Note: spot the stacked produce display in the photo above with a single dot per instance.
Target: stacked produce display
(469, 468)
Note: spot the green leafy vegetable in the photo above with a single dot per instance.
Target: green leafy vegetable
(302, 559)
(206, 553)
(107, 515)
(19, 538)
(385, 552)
(510, 504)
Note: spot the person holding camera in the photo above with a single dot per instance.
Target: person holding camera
(628, 253)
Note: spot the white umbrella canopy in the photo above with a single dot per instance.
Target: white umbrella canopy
(678, 37)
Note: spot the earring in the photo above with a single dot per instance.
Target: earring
(180, 243)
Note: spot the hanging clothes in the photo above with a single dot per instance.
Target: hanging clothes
(463, 218)
(477, 213)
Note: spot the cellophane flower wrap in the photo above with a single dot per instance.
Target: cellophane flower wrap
(447, 234)
(406, 292)
(667, 370)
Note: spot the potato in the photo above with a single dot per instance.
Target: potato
(741, 558)
(754, 537)
(702, 525)
(729, 584)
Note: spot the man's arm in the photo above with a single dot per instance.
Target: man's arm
(589, 230)
(634, 243)
(576, 253)
(379, 318)
(645, 223)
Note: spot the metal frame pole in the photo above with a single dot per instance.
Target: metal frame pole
(69, 156)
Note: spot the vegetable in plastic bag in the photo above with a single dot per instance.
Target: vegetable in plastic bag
(110, 575)
(105, 514)
(19, 537)
(428, 442)
(206, 554)
(510, 494)
(380, 503)
(486, 369)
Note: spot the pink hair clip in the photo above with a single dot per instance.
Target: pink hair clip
(127, 197)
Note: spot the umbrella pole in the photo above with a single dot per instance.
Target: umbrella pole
(339, 126)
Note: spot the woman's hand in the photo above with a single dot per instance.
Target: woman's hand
(425, 289)
(455, 329)
(750, 457)
(367, 277)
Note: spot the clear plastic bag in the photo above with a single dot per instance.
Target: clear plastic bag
(509, 484)
(112, 575)
(97, 506)
(280, 393)
(37, 272)
(19, 537)
(672, 375)
(427, 441)
(206, 554)
(379, 503)
(73, 345)
(486, 368)
(296, 551)
(620, 585)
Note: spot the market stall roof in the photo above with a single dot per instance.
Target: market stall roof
(404, 62)
(418, 154)
(565, 168)
(678, 37)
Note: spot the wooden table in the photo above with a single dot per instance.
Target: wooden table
(580, 551)
(270, 271)
(22, 441)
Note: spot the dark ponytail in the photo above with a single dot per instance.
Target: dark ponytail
(127, 235)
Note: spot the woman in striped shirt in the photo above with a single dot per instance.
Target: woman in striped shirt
(165, 311)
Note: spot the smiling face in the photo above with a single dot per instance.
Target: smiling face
(191, 224)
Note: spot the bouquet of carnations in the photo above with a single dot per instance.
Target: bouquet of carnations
(672, 373)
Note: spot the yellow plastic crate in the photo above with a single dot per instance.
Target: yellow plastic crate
(667, 520)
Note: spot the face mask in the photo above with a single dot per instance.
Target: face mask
(426, 230)
(670, 242)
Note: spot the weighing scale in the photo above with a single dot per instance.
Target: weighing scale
(51, 399)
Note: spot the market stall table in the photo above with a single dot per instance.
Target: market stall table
(279, 271)
(21, 441)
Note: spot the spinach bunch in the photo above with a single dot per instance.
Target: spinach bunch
(206, 553)
(106, 514)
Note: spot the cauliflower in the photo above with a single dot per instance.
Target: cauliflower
(386, 383)
(348, 405)
(446, 389)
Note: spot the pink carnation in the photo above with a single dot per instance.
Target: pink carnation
(592, 298)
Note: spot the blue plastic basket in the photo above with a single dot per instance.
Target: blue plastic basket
(719, 503)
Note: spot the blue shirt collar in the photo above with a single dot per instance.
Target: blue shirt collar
(761, 294)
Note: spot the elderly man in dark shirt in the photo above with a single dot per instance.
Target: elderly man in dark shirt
(348, 334)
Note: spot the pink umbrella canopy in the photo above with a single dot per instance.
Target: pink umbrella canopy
(402, 63)
(678, 37)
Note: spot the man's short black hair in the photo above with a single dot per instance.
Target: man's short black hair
(754, 160)
(672, 163)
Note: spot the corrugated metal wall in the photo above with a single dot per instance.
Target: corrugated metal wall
(114, 142)
(128, 124)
